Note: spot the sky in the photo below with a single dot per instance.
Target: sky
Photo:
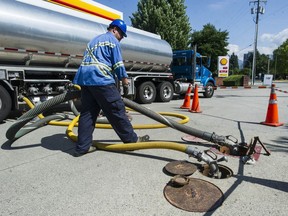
(233, 16)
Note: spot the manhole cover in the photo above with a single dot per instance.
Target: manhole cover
(180, 168)
(196, 196)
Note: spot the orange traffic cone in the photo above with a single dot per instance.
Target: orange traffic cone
(187, 99)
(272, 111)
(195, 108)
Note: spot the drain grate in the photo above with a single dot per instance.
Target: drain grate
(180, 168)
(196, 196)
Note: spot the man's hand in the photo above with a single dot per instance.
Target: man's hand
(125, 90)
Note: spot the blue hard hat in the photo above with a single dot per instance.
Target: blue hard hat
(121, 25)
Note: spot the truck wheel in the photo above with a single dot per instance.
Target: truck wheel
(146, 93)
(5, 103)
(165, 92)
(209, 90)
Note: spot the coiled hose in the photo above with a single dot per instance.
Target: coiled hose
(16, 130)
(201, 156)
(32, 113)
(69, 95)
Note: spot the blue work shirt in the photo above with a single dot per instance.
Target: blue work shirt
(101, 62)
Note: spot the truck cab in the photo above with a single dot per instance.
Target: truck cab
(188, 68)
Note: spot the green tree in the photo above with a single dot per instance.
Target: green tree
(166, 18)
(261, 64)
(279, 65)
(248, 62)
(211, 42)
(245, 71)
(233, 64)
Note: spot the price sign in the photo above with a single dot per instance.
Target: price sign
(223, 66)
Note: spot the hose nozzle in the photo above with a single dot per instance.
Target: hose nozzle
(209, 158)
(224, 158)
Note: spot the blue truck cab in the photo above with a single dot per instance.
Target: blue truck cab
(188, 68)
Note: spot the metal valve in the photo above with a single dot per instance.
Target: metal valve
(209, 157)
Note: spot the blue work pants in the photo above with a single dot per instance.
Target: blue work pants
(107, 98)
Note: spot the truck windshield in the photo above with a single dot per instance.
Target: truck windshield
(206, 61)
(183, 61)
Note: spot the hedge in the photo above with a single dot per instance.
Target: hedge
(233, 80)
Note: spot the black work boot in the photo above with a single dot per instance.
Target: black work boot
(91, 149)
(144, 138)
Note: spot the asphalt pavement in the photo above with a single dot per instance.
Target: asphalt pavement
(39, 175)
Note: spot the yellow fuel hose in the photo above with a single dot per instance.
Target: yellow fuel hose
(121, 146)
(184, 120)
(16, 130)
(128, 146)
(193, 152)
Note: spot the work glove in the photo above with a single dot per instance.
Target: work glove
(125, 90)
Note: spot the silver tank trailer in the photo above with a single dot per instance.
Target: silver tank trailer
(42, 37)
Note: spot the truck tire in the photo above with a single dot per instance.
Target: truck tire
(146, 93)
(209, 90)
(5, 103)
(165, 92)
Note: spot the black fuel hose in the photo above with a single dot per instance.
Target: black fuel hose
(32, 113)
(211, 137)
(17, 130)
(69, 95)
(39, 123)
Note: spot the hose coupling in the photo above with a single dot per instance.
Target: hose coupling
(229, 140)
(21, 97)
(208, 157)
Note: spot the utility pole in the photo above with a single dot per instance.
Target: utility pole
(275, 66)
(268, 67)
(194, 63)
(256, 9)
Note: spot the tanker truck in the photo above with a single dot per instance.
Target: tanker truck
(42, 45)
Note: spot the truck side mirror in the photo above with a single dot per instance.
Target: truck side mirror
(208, 62)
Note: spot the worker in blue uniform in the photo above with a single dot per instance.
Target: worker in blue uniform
(101, 66)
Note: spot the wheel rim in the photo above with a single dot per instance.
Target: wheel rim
(148, 93)
(209, 90)
(167, 92)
